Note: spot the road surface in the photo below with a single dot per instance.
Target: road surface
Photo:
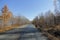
(27, 32)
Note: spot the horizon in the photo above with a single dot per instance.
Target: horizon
(28, 8)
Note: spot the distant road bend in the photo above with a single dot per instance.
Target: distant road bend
(26, 32)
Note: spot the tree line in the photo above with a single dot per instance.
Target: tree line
(47, 19)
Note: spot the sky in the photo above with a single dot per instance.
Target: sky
(28, 8)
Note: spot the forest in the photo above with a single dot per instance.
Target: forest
(49, 22)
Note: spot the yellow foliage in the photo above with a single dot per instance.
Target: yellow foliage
(4, 29)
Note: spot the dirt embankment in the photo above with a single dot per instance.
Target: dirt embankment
(53, 33)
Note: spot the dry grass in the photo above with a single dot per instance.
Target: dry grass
(50, 36)
(8, 28)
